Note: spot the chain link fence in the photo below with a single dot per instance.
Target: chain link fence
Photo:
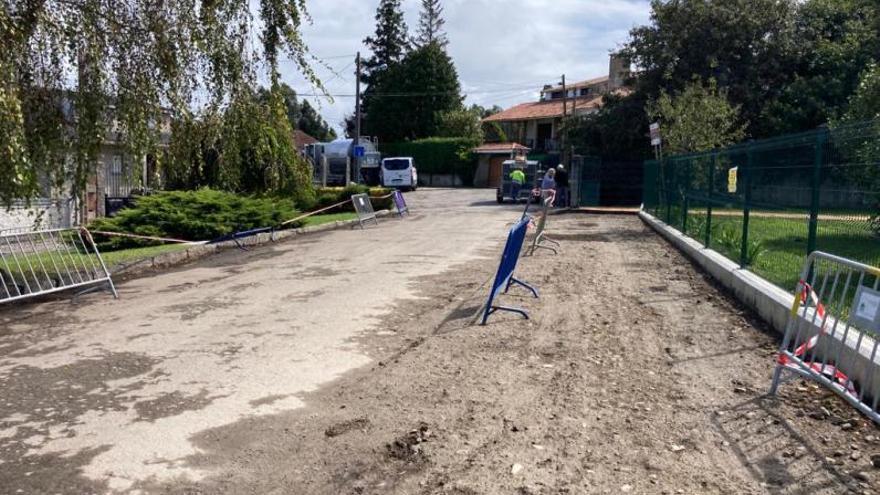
(767, 204)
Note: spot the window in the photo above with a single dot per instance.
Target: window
(396, 164)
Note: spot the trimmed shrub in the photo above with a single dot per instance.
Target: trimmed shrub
(328, 196)
(438, 156)
(199, 215)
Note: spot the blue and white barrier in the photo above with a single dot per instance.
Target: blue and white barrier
(504, 277)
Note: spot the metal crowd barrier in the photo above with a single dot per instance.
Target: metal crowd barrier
(833, 332)
(399, 202)
(364, 209)
(541, 241)
(504, 277)
(48, 261)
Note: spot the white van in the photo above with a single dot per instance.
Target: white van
(400, 172)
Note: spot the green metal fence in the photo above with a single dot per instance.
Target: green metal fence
(767, 204)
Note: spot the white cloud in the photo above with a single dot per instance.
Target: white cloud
(504, 50)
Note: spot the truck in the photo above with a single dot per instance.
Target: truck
(340, 162)
(533, 172)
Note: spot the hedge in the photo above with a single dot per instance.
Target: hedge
(438, 156)
(328, 196)
(200, 215)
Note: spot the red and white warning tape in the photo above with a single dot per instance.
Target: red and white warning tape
(830, 371)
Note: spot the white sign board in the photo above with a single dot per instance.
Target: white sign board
(866, 309)
(731, 180)
(656, 139)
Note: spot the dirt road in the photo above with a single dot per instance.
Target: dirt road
(108, 394)
(635, 375)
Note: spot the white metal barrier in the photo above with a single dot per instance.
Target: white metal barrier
(833, 332)
(48, 261)
(364, 209)
(541, 241)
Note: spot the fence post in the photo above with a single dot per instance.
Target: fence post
(686, 204)
(708, 240)
(816, 189)
(667, 194)
(747, 206)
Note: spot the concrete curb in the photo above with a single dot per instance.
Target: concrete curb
(771, 303)
(169, 260)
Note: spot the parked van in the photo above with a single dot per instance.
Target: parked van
(400, 172)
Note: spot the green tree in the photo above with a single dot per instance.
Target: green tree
(748, 47)
(617, 131)
(409, 97)
(699, 118)
(431, 24)
(390, 43)
(836, 40)
(463, 123)
(856, 133)
(301, 114)
(484, 112)
(133, 59)
(247, 148)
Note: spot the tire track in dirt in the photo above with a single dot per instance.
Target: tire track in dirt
(635, 375)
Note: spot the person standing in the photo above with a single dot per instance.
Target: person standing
(548, 186)
(517, 180)
(562, 192)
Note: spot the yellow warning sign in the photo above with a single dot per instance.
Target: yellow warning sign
(731, 180)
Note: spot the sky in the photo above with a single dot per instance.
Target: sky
(504, 50)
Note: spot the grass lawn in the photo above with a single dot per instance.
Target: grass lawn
(127, 256)
(781, 243)
(330, 217)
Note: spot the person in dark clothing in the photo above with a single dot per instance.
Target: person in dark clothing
(562, 193)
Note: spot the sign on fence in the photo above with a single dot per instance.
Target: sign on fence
(541, 240)
(731, 180)
(831, 335)
(399, 202)
(364, 209)
(504, 277)
(656, 139)
(49, 261)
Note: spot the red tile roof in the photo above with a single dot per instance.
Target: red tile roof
(544, 109)
(499, 148)
(302, 139)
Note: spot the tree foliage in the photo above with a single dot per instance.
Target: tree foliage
(462, 123)
(301, 114)
(408, 98)
(698, 118)
(70, 69)
(247, 148)
(431, 24)
(389, 44)
(746, 46)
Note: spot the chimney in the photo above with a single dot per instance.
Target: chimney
(619, 71)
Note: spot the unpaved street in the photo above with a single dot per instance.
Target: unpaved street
(108, 394)
(635, 375)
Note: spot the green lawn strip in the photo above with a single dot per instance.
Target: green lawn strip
(128, 256)
(328, 218)
(784, 242)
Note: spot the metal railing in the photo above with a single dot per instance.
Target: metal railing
(831, 336)
(48, 261)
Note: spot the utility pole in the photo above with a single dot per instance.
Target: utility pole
(564, 116)
(357, 108)
(357, 103)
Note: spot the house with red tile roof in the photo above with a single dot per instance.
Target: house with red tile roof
(536, 124)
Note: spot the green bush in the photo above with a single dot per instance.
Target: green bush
(328, 196)
(199, 215)
(438, 156)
